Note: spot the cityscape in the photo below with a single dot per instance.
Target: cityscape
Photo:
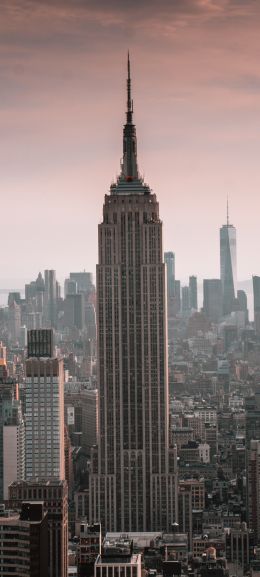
(130, 400)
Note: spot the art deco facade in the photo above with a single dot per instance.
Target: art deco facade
(133, 478)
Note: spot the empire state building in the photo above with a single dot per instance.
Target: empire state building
(133, 479)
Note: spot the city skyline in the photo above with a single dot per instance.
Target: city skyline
(196, 111)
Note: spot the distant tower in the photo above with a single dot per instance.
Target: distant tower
(44, 408)
(213, 299)
(50, 298)
(193, 293)
(256, 289)
(133, 484)
(169, 259)
(228, 265)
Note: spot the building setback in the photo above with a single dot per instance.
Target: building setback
(133, 472)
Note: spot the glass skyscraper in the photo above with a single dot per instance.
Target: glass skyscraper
(228, 265)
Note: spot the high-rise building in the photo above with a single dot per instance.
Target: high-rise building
(133, 485)
(213, 299)
(169, 259)
(74, 311)
(24, 542)
(252, 417)
(54, 495)
(44, 408)
(89, 402)
(228, 265)
(50, 298)
(84, 281)
(253, 488)
(14, 321)
(13, 445)
(185, 511)
(193, 293)
(185, 300)
(10, 461)
(256, 289)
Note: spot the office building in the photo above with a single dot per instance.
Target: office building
(74, 311)
(169, 259)
(84, 281)
(70, 287)
(54, 495)
(24, 542)
(177, 297)
(228, 265)
(253, 488)
(89, 402)
(8, 400)
(14, 321)
(185, 301)
(252, 417)
(213, 299)
(133, 484)
(193, 290)
(44, 401)
(185, 512)
(13, 444)
(240, 546)
(50, 298)
(256, 289)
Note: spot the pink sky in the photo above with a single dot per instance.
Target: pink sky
(196, 88)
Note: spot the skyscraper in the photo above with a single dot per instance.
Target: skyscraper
(44, 408)
(228, 265)
(256, 289)
(50, 298)
(253, 488)
(133, 472)
(169, 259)
(213, 299)
(193, 293)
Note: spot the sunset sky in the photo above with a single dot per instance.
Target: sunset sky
(196, 89)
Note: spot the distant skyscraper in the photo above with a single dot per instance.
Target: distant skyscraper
(133, 473)
(228, 265)
(213, 299)
(169, 259)
(44, 409)
(185, 300)
(177, 297)
(50, 298)
(84, 281)
(256, 289)
(193, 293)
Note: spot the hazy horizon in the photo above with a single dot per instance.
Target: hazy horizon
(196, 88)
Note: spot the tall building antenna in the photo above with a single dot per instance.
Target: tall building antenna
(227, 212)
(129, 113)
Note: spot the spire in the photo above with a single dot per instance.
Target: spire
(129, 169)
(129, 114)
(227, 212)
